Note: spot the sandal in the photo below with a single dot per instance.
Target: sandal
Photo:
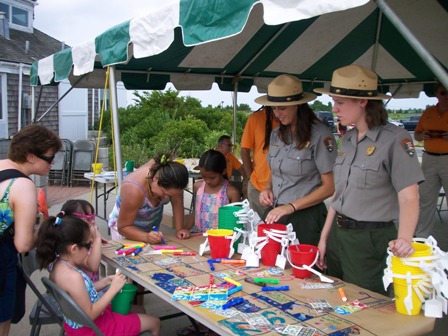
(187, 331)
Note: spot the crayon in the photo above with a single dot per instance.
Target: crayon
(266, 280)
(184, 253)
(342, 294)
(232, 303)
(165, 247)
(157, 230)
(274, 288)
(232, 281)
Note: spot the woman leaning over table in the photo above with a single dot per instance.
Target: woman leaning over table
(376, 174)
(301, 156)
(142, 196)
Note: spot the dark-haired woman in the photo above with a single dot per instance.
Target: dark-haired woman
(142, 196)
(31, 151)
(301, 155)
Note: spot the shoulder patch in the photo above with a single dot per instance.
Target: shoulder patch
(408, 146)
(329, 143)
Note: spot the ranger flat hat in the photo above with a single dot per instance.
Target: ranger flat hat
(285, 90)
(354, 81)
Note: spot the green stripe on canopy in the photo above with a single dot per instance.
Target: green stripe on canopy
(112, 45)
(62, 63)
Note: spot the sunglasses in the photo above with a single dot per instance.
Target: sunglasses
(48, 159)
(88, 245)
(442, 93)
(88, 217)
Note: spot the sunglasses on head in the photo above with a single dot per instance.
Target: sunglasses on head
(88, 217)
(48, 159)
(88, 245)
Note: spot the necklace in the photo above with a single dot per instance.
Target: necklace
(150, 193)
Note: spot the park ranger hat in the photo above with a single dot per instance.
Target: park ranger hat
(354, 81)
(285, 90)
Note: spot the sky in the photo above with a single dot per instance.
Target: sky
(76, 21)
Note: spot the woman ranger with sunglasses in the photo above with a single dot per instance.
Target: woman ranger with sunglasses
(31, 152)
(432, 129)
(376, 175)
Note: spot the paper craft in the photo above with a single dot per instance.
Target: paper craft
(350, 308)
(320, 305)
(200, 293)
(315, 285)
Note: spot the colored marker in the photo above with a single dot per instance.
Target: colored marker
(165, 247)
(342, 294)
(130, 250)
(232, 303)
(134, 245)
(235, 289)
(232, 281)
(233, 261)
(266, 280)
(251, 281)
(137, 251)
(212, 267)
(171, 251)
(184, 253)
(200, 262)
(212, 280)
(157, 230)
(274, 288)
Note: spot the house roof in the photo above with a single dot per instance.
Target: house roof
(40, 45)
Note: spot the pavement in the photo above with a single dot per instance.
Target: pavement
(57, 195)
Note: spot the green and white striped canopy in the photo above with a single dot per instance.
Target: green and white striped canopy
(194, 43)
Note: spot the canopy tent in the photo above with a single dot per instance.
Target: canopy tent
(238, 44)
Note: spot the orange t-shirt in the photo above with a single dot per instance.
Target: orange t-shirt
(232, 163)
(431, 120)
(253, 139)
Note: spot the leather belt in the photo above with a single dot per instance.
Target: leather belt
(350, 223)
(436, 154)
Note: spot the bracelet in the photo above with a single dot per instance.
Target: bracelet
(293, 206)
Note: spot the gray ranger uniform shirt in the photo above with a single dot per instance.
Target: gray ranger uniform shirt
(368, 174)
(296, 172)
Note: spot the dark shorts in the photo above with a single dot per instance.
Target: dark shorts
(8, 274)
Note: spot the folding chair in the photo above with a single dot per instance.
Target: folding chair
(82, 159)
(70, 308)
(46, 310)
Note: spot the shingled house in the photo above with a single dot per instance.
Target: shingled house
(20, 104)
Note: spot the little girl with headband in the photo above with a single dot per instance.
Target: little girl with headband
(64, 245)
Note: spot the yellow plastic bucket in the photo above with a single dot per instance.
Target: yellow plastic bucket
(401, 291)
(97, 168)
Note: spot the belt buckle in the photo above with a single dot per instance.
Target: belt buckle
(339, 220)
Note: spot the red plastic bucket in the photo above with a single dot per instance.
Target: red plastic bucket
(270, 251)
(300, 255)
(219, 241)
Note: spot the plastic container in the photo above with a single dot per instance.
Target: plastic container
(273, 248)
(122, 302)
(300, 255)
(219, 241)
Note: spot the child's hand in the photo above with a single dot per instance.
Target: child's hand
(118, 281)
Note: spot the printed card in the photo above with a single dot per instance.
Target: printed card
(320, 305)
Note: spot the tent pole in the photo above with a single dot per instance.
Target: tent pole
(114, 103)
(235, 106)
(430, 61)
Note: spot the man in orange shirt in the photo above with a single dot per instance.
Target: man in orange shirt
(256, 136)
(432, 128)
(225, 147)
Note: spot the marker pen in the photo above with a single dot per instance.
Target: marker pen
(212, 267)
(184, 253)
(233, 261)
(266, 280)
(251, 281)
(342, 294)
(128, 252)
(232, 281)
(137, 251)
(170, 251)
(274, 288)
(165, 247)
(232, 303)
(157, 230)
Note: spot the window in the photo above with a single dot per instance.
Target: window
(18, 17)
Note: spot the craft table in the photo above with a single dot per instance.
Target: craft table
(106, 178)
(154, 272)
